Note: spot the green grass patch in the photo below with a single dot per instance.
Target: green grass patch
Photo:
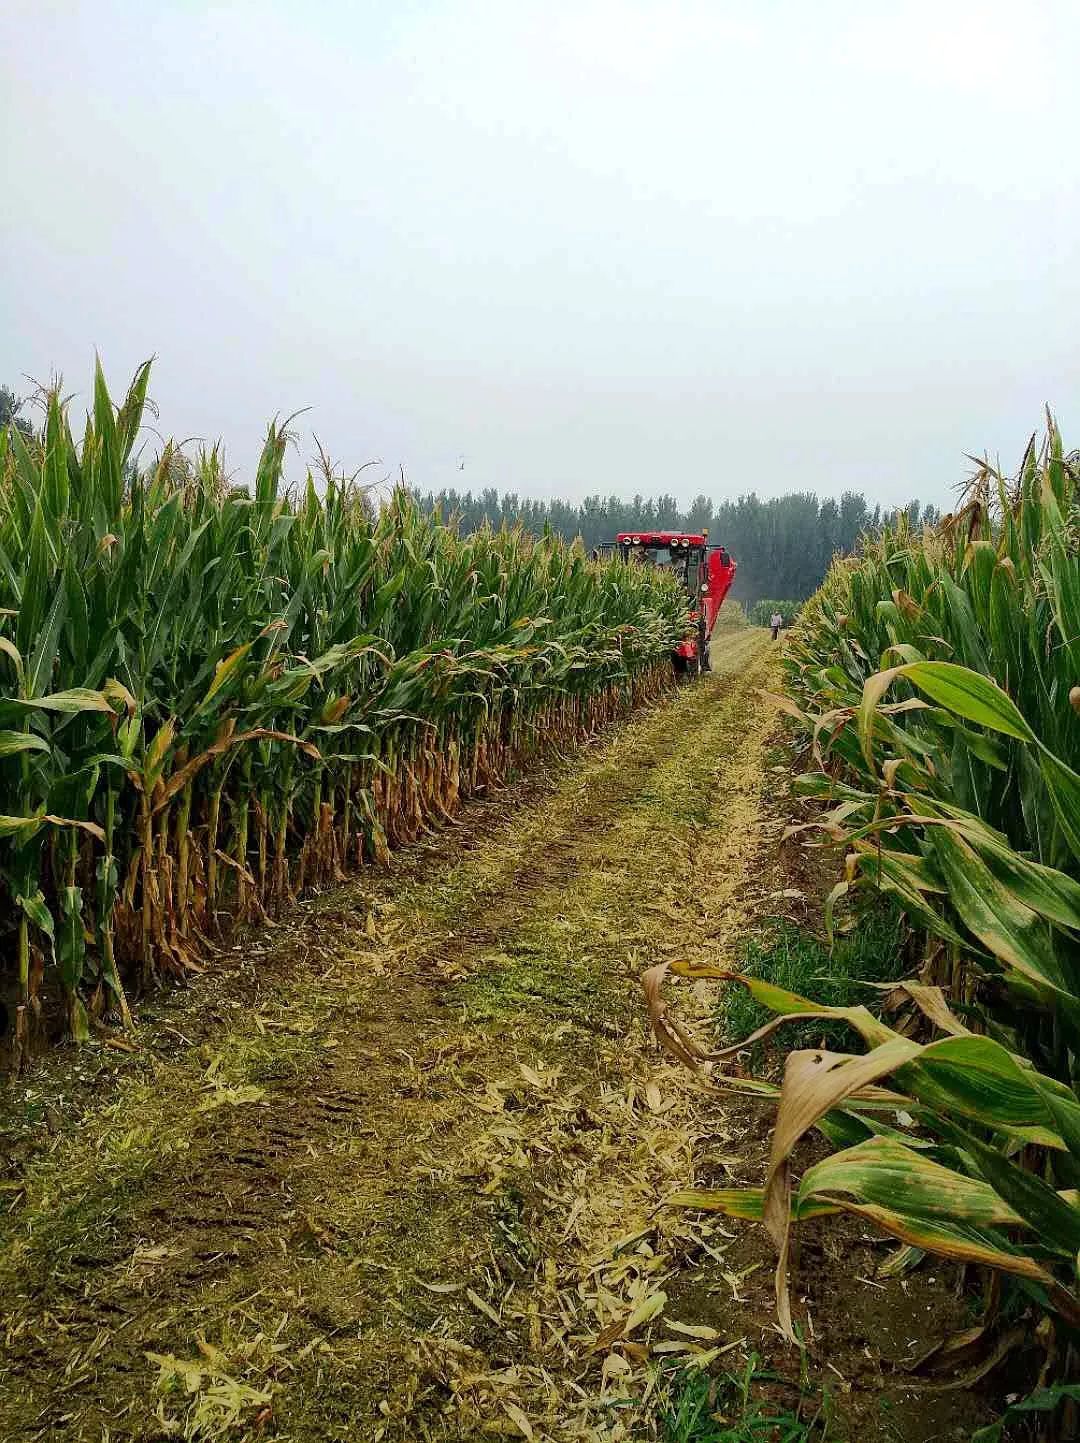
(793, 958)
(737, 1408)
(542, 981)
(85, 1211)
(512, 1229)
(270, 1057)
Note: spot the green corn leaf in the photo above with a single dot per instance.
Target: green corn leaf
(975, 698)
(110, 461)
(225, 671)
(1053, 894)
(11, 650)
(70, 939)
(75, 699)
(1006, 926)
(886, 1173)
(39, 914)
(56, 459)
(1063, 785)
(747, 1203)
(21, 827)
(14, 742)
(130, 417)
(874, 688)
(909, 882)
(36, 588)
(43, 658)
(976, 1078)
(1055, 1221)
(964, 1243)
(1042, 1400)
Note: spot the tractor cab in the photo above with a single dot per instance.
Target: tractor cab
(705, 573)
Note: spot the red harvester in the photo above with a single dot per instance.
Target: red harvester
(705, 571)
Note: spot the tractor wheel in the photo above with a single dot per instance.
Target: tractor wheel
(706, 659)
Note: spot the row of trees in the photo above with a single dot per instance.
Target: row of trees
(11, 408)
(783, 544)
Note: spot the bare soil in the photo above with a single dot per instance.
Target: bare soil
(392, 1170)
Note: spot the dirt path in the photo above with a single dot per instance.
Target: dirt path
(395, 1177)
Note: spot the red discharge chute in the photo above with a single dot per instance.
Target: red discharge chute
(718, 579)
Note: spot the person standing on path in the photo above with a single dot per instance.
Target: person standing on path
(776, 621)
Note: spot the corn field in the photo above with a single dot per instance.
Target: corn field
(936, 679)
(214, 698)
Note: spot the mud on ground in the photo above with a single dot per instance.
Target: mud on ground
(394, 1172)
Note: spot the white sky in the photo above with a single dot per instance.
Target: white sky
(586, 245)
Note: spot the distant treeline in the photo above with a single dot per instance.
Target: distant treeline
(783, 544)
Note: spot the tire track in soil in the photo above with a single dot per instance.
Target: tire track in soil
(395, 1111)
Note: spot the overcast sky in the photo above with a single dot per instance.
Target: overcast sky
(583, 245)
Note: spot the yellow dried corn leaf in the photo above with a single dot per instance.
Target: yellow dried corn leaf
(650, 1307)
(692, 1330)
(483, 1306)
(518, 1417)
